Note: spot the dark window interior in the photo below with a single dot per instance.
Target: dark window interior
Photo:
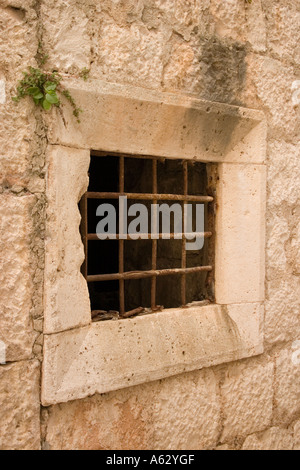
(103, 256)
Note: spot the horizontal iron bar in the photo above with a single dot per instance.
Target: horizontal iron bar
(146, 274)
(150, 197)
(148, 236)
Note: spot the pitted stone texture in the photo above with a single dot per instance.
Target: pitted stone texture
(272, 439)
(193, 413)
(279, 234)
(178, 413)
(131, 55)
(283, 18)
(269, 87)
(282, 322)
(287, 387)
(16, 285)
(247, 395)
(283, 173)
(22, 33)
(20, 406)
(123, 13)
(184, 17)
(283, 242)
(65, 36)
(17, 123)
(256, 25)
(229, 17)
(211, 67)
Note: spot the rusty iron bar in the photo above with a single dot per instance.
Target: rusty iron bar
(183, 254)
(154, 242)
(133, 313)
(148, 236)
(154, 273)
(146, 274)
(151, 197)
(84, 233)
(121, 242)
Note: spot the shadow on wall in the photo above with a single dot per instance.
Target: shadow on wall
(224, 68)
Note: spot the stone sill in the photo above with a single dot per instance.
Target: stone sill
(113, 355)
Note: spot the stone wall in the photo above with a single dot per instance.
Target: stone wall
(226, 51)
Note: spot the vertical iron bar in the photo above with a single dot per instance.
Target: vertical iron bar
(121, 242)
(154, 242)
(183, 257)
(84, 232)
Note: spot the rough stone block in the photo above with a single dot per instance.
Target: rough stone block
(287, 386)
(66, 39)
(282, 321)
(283, 173)
(20, 406)
(16, 286)
(273, 439)
(177, 413)
(247, 395)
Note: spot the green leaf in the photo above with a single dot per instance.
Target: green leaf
(50, 86)
(38, 96)
(33, 91)
(46, 105)
(53, 99)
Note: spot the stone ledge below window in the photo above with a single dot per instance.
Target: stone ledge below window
(112, 355)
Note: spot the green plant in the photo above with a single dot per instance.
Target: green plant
(85, 74)
(45, 89)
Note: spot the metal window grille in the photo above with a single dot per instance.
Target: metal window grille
(121, 276)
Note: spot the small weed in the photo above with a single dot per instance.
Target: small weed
(45, 89)
(84, 74)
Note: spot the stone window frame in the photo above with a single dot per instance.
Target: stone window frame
(82, 358)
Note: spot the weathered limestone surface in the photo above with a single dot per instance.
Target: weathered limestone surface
(66, 299)
(136, 418)
(20, 268)
(142, 121)
(287, 387)
(17, 123)
(247, 396)
(16, 287)
(113, 355)
(231, 53)
(20, 407)
(273, 439)
(225, 51)
(240, 234)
